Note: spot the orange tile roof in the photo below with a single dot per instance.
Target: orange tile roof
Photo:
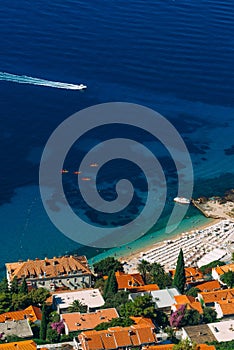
(192, 274)
(32, 313)
(184, 299)
(142, 321)
(117, 337)
(170, 347)
(145, 288)
(21, 345)
(127, 281)
(80, 322)
(48, 267)
(227, 307)
(223, 269)
(189, 301)
(211, 297)
(209, 286)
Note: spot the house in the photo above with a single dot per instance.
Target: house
(190, 302)
(92, 298)
(67, 272)
(21, 345)
(170, 347)
(224, 308)
(209, 298)
(198, 334)
(209, 286)
(31, 313)
(222, 331)
(163, 298)
(192, 274)
(117, 338)
(80, 322)
(20, 328)
(218, 271)
(132, 282)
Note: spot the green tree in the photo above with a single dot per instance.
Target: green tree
(39, 296)
(209, 315)
(52, 335)
(43, 326)
(4, 288)
(179, 278)
(5, 302)
(111, 286)
(206, 269)
(54, 317)
(103, 267)
(158, 275)
(20, 301)
(185, 345)
(192, 292)
(117, 300)
(191, 318)
(141, 306)
(77, 306)
(228, 278)
(100, 283)
(23, 289)
(161, 319)
(143, 268)
(14, 285)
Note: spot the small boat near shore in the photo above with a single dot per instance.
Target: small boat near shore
(182, 200)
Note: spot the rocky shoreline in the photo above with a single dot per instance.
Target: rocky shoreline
(216, 207)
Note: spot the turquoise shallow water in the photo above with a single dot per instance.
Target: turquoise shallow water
(173, 56)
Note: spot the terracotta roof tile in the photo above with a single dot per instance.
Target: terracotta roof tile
(32, 313)
(209, 286)
(227, 307)
(189, 301)
(80, 322)
(211, 297)
(143, 321)
(48, 267)
(223, 269)
(126, 281)
(117, 337)
(22, 345)
(192, 274)
(184, 299)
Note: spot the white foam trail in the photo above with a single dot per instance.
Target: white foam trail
(23, 79)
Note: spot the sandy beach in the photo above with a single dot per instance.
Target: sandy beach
(202, 245)
(136, 254)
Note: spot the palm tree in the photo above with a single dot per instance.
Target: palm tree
(143, 267)
(77, 306)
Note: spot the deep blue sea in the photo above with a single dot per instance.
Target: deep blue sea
(176, 57)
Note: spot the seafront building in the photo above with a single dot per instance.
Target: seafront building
(67, 272)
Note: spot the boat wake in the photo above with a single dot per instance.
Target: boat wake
(23, 79)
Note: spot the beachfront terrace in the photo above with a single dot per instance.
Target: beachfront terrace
(197, 245)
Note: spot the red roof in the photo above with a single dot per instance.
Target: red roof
(117, 337)
(128, 281)
(32, 313)
(80, 322)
